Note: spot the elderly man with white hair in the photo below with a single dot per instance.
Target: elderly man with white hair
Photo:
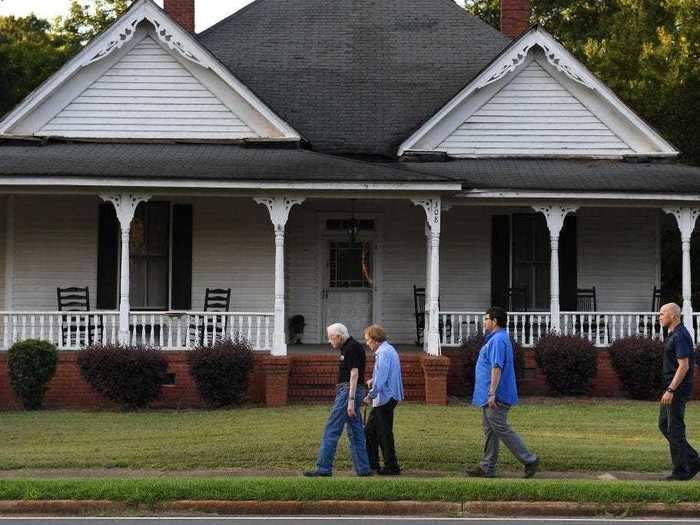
(349, 392)
(677, 379)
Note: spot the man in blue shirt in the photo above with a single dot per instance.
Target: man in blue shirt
(386, 390)
(677, 378)
(495, 391)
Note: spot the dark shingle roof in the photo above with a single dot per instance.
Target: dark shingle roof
(566, 175)
(195, 161)
(354, 76)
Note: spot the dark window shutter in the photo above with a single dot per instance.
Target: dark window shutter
(500, 258)
(568, 276)
(182, 257)
(107, 257)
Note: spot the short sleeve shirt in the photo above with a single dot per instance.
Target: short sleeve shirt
(497, 352)
(679, 345)
(352, 355)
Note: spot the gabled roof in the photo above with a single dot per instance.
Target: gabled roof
(145, 33)
(355, 76)
(584, 100)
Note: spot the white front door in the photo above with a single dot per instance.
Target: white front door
(349, 285)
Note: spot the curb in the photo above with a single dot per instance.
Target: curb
(353, 508)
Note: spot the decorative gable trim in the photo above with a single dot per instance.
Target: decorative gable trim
(116, 41)
(575, 76)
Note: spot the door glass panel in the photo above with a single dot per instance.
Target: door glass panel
(531, 249)
(349, 265)
(149, 256)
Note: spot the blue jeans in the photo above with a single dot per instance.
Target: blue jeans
(334, 428)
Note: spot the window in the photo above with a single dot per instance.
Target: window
(531, 260)
(349, 265)
(149, 256)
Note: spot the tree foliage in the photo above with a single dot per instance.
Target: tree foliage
(646, 51)
(32, 49)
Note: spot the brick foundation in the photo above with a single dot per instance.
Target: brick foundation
(302, 378)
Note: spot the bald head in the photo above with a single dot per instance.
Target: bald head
(670, 315)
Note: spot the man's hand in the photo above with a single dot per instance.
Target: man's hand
(667, 398)
(492, 402)
(369, 383)
(351, 410)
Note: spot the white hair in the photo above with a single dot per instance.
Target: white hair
(339, 329)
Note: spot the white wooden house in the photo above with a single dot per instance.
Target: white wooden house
(321, 158)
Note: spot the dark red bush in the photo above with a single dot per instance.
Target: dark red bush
(128, 375)
(222, 371)
(637, 362)
(469, 353)
(569, 363)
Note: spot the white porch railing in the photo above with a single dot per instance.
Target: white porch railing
(525, 327)
(183, 330)
(600, 328)
(66, 330)
(604, 328)
(165, 330)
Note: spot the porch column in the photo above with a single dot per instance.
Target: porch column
(686, 218)
(433, 211)
(125, 205)
(555, 216)
(279, 208)
(426, 306)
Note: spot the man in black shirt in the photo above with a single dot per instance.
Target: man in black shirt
(677, 378)
(349, 393)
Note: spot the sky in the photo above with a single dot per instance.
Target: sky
(208, 12)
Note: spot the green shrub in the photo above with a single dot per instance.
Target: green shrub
(31, 365)
(569, 363)
(469, 352)
(222, 371)
(637, 362)
(131, 376)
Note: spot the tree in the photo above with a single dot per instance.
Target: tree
(647, 51)
(31, 49)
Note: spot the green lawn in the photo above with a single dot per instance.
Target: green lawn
(352, 489)
(608, 435)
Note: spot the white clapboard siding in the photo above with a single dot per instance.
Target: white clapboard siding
(534, 115)
(148, 94)
(304, 283)
(55, 245)
(233, 246)
(617, 253)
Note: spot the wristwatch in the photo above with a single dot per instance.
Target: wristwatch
(670, 390)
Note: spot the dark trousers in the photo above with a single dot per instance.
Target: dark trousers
(379, 433)
(672, 426)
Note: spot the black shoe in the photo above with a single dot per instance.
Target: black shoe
(367, 474)
(478, 472)
(386, 471)
(317, 474)
(692, 471)
(532, 468)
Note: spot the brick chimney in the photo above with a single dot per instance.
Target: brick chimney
(515, 17)
(182, 11)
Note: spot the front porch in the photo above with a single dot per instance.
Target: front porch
(299, 271)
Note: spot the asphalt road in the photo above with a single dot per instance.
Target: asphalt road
(338, 520)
